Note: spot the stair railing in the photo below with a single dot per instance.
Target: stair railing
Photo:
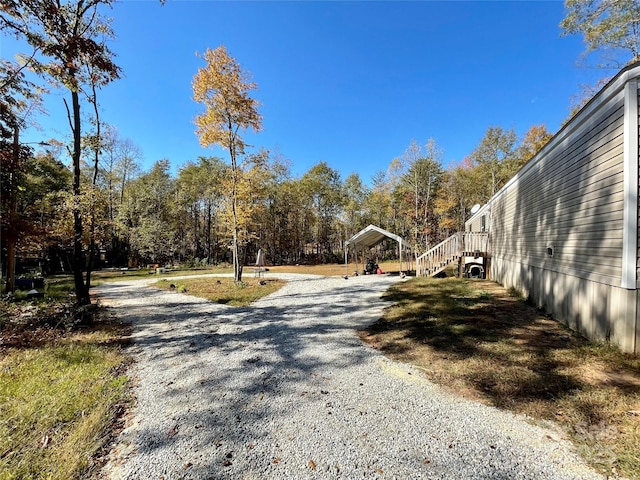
(443, 254)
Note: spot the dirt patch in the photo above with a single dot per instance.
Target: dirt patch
(33, 325)
(602, 375)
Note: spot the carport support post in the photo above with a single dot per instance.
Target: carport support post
(400, 243)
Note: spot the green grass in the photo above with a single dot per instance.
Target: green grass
(223, 290)
(59, 392)
(483, 342)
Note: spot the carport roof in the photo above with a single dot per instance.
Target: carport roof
(371, 236)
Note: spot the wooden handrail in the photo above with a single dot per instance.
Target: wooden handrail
(439, 257)
(476, 242)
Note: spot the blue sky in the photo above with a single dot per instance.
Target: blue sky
(349, 83)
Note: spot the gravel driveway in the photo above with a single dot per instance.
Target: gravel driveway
(284, 389)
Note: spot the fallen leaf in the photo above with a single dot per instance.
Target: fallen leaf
(172, 431)
(379, 470)
(276, 460)
(226, 463)
(426, 461)
(312, 464)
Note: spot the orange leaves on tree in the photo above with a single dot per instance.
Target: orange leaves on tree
(223, 88)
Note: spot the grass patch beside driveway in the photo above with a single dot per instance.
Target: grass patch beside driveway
(223, 289)
(478, 341)
(61, 389)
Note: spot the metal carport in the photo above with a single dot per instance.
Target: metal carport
(371, 236)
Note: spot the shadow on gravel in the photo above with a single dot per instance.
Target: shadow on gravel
(230, 376)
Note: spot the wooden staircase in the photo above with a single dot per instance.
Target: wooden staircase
(461, 244)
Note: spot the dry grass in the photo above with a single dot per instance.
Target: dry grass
(103, 276)
(59, 286)
(332, 269)
(328, 270)
(223, 290)
(475, 339)
(60, 392)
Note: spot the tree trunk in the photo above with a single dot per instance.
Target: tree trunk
(82, 292)
(125, 171)
(13, 200)
(237, 267)
(196, 230)
(208, 234)
(96, 159)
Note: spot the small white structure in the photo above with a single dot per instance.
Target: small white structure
(259, 268)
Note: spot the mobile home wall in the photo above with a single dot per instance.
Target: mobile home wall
(564, 230)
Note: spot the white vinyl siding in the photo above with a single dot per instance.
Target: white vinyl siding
(477, 224)
(564, 231)
(570, 200)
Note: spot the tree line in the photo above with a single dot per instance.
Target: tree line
(143, 217)
(101, 208)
